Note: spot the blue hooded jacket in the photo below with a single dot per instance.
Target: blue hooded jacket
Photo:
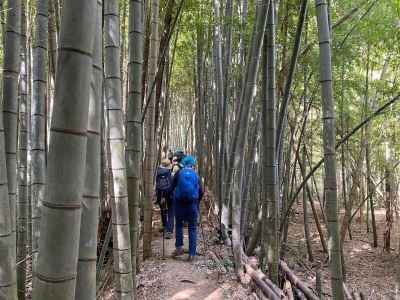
(187, 162)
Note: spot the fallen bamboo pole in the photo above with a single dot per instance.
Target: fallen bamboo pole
(266, 289)
(297, 282)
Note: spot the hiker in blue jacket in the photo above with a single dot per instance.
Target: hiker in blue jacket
(187, 195)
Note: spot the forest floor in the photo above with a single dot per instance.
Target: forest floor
(368, 270)
(170, 278)
(211, 277)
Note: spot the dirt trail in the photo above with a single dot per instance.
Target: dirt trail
(176, 279)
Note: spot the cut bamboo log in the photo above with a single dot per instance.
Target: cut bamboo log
(287, 289)
(266, 289)
(297, 282)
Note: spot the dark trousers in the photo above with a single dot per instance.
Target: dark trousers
(167, 211)
(189, 214)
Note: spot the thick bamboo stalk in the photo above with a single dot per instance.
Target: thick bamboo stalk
(55, 276)
(38, 122)
(86, 277)
(270, 228)
(150, 135)
(122, 269)
(329, 136)
(134, 125)
(22, 201)
(8, 144)
(11, 70)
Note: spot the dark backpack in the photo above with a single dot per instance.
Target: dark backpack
(163, 180)
(187, 189)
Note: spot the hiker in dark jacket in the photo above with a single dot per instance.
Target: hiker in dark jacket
(164, 197)
(187, 189)
(179, 155)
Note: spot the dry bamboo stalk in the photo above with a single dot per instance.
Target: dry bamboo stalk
(297, 282)
(267, 290)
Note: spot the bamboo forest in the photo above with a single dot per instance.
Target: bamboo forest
(199, 149)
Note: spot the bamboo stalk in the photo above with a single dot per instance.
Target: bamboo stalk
(296, 281)
(267, 290)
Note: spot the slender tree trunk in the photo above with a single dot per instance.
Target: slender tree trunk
(282, 121)
(248, 177)
(305, 216)
(219, 100)
(306, 191)
(86, 277)
(371, 189)
(11, 68)
(119, 194)
(343, 148)
(150, 134)
(224, 80)
(329, 135)
(38, 122)
(55, 276)
(134, 125)
(270, 231)
(240, 133)
(388, 201)
(314, 211)
(8, 277)
(22, 202)
(200, 120)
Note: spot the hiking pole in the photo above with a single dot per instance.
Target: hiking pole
(163, 244)
(163, 232)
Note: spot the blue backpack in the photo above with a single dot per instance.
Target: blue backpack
(187, 189)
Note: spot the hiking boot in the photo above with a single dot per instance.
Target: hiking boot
(168, 235)
(177, 252)
(191, 258)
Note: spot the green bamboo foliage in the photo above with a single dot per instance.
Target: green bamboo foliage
(134, 124)
(10, 100)
(22, 203)
(150, 133)
(119, 193)
(329, 135)
(86, 278)
(38, 122)
(55, 276)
